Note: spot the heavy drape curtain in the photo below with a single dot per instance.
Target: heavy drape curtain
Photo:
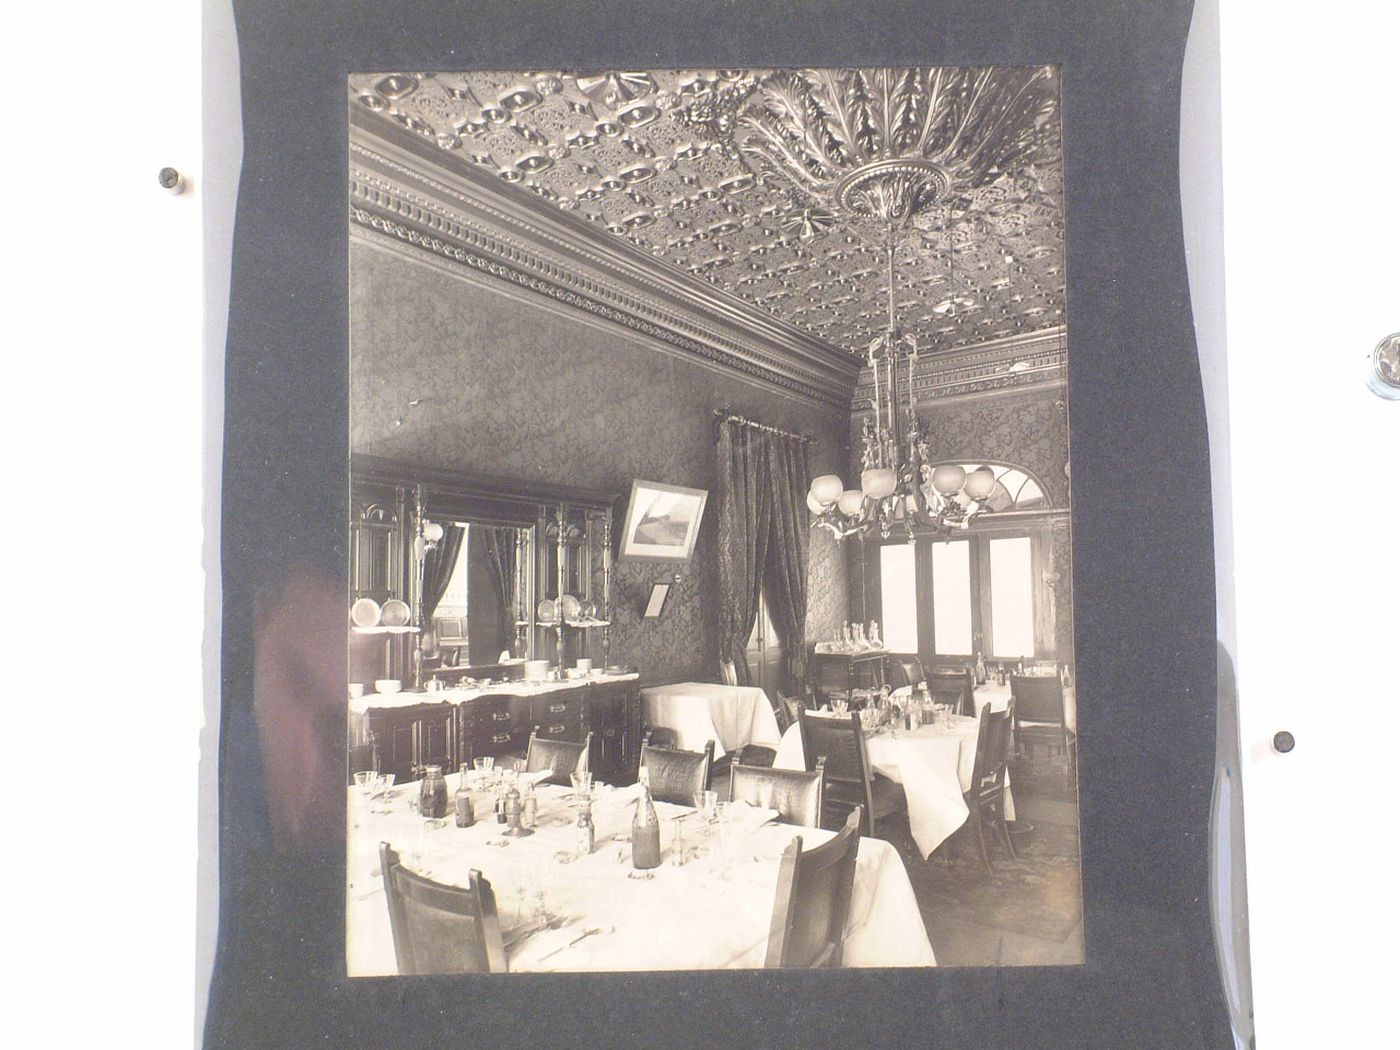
(744, 507)
(500, 555)
(785, 576)
(762, 482)
(438, 564)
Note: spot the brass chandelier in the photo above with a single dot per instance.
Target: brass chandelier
(881, 148)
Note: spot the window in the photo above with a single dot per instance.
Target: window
(952, 597)
(1012, 597)
(899, 607)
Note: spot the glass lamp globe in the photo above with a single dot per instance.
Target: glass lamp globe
(826, 489)
(814, 504)
(851, 502)
(432, 532)
(980, 483)
(948, 478)
(877, 482)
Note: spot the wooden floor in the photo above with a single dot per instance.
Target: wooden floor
(1028, 912)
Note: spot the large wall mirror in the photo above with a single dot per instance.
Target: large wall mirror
(494, 571)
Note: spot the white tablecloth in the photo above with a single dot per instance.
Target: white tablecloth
(1001, 693)
(933, 763)
(733, 716)
(711, 913)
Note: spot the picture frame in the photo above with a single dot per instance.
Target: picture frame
(655, 606)
(661, 523)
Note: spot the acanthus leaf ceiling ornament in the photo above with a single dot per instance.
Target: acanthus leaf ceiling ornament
(774, 185)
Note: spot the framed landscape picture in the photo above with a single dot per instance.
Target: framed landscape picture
(662, 522)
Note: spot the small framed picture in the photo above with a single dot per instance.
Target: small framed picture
(656, 600)
(662, 522)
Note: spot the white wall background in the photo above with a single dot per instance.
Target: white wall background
(110, 406)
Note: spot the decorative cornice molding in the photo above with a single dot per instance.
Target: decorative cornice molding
(392, 179)
(1040, 358)
(468, 254)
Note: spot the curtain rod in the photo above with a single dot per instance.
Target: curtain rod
(723, 415)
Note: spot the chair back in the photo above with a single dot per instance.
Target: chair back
(838, 742)
(951, 688)
(993, 746)
(560, 757)
(728, 672)
(439, 928)
(1039, 698)
(796, 795)
(910, 668)
(813, 900)
(674, 775)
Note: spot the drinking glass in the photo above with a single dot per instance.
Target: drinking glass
(705, 802)
(678, 841)
(582, 784)
(365, 783)
(483, 767)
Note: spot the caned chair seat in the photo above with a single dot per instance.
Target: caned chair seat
(795, 794)
(560, 757)
(439, 928)
(675, 776)
(813, 900)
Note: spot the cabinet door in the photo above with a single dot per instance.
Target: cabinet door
(393, 735)
(435, 739)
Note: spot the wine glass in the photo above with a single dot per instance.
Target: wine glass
(705, 805)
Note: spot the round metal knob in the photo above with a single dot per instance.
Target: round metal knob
(1284, 742)
(171, 180)
(1383, 368)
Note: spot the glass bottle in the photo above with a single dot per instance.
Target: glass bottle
(646, 832)
(529, 806)
(980, 671)
(466, 817)
(432, 794)
(583, 830)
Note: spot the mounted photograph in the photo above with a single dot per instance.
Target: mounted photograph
(710, 555)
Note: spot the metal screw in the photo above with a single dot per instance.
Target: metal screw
(1283, 741)
(1383, 368)
(171, 180)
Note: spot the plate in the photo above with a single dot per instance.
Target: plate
(617, 669)
(570, 606)
(395, 613)
(547, 610)
(588, 609)
(365, 613)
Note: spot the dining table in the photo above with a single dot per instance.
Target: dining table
(595, 912)
(733, 716)
(933, 764)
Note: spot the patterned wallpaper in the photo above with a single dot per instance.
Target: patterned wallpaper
(517, 390)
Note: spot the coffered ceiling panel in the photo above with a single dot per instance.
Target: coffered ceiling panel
(783, 187)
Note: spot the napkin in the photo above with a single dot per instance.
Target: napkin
(750, 816)
(538, 777)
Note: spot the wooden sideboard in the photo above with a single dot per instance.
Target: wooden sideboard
(407, 737)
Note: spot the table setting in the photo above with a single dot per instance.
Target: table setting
(707, 905)
(933, 763)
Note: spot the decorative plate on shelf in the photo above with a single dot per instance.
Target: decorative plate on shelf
(547, 610)
(570, 605)
(365, 613)
(617, 669)
(588, 609)
(395, 613)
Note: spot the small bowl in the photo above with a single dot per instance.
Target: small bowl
(357, 689)
(387, 686)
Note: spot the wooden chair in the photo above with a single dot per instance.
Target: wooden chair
(1040, 711)
(849, 783)
(728, 674)
(986, 798)
(674, 775)
(813, 900)
(560, 757)
(796, 795)
(439, 928)
(750, 755)
(910, 669)
(953, 689)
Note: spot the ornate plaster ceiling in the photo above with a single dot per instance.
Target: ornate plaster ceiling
(732, 176)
